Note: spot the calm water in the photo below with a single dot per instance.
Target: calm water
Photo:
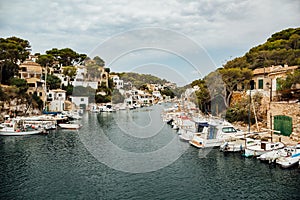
(59, 166)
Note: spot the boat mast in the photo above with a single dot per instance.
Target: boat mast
(45, 88)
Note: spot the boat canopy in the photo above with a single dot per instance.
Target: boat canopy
(205, 124)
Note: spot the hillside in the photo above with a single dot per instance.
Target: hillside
(281, 48)
(139, 80)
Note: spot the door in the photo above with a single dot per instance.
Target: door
(283, 124)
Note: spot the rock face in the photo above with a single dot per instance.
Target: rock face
(290, 109)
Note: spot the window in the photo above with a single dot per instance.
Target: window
(59, 95)
(228, 130)
(278, 85)
(82, 99)
(260, 84)
(40, 94)
(50, 95)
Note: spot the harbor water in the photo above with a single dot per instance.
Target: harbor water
(67, 164)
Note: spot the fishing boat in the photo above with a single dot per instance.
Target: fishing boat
(70, 126)
(15, 129)
(237, 144)
(275, 154)
(263, 147)
(291, 160)
(288, 162)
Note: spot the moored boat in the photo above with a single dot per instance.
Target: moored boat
(263, 147)
(14, 129)
(70, 126)
(216, 135)
(237, 144)
(288, 162)
(291, 160)
(279, 153)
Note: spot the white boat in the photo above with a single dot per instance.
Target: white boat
(237, 144)
(70, 126)
(72, 115)
(216, 135)
(288, 162)
(186, 135)
(11, 129)
(275, 154)
(263, 147)
(291, 160)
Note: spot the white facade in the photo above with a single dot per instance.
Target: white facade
(57, 106)
(57, 99)
(91, 84)
(64, 80)
(156, 94)
(57, 94)
(80, 101)
(80, 79)
(118, 83)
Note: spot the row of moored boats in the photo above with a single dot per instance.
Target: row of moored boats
(39, 124)
(210, 132)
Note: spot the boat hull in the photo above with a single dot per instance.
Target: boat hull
(15, 133)
(70, 126)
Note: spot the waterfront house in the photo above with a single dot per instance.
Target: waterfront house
(80, 101)
(83, 79)
(32, 73)
(56, 99)
(266, 79)
(29, 69)
(117, 81)
(157, 95)
(281, 115)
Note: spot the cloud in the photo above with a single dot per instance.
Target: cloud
(224, 28)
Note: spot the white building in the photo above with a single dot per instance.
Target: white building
(80, 101)
(91, 84)
(157, 95)
(80, 79)
(57, 99)
(118, 83)
(64, 79)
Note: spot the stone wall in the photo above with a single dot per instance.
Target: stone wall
(291, 109)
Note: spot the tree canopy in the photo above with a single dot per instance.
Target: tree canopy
(281, 48)
(99, 61)
(12, 51)
(53, 82)
(66, 56)
(45, 60)
(137, 80)
(69, 71)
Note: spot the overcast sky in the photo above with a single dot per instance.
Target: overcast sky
(180, 40)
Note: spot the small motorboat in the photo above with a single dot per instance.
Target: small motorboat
(263, 147)
(11, 129)
(70, 126)
(287, 162)
(237, 144)
(272, 156)
(291, 160)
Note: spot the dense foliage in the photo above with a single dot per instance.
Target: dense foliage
(12, 51)
(53, 82)
(138, 80)
(281, 48)
(66, 56)
(117, 97)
